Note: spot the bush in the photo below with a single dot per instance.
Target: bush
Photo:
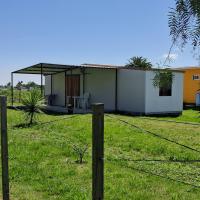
(32, 102)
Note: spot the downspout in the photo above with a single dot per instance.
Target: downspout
(51, 84)
(116, 90)
(71, 83)
(83, 72)
(12, 93)
(65, 90)
(41, 86)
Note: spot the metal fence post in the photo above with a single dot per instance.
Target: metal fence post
(4, 147)
(98, 151)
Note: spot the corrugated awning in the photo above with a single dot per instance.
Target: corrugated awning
(46, 69)
(49, 69)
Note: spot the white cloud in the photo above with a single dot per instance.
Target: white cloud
(172, 56)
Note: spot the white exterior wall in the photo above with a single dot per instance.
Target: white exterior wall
(58, 89)
(136, 93)
(160, 104)
(131, 91)
(100, 83)
(47, 87)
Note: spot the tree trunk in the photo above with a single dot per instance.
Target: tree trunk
(31, 120)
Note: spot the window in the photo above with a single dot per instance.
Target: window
(165, 91)
(195, 77)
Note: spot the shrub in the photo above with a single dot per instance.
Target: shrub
(32, 102)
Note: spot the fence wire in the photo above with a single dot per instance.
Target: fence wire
(167, 174)
(153, 134)
(159, 167)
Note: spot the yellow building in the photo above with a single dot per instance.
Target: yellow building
(191, 93)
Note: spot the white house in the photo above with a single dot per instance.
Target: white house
(121, 89)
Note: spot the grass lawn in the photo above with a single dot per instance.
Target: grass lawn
(42, 160)
(191, 116)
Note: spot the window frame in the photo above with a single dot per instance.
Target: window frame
(165, 91)
(195, 77)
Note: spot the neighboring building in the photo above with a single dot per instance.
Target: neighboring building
(121, 89)
(191, 94)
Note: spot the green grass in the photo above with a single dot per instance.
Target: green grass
(190, 115)
(42, 161)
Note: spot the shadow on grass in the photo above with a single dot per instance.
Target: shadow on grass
(24, 125)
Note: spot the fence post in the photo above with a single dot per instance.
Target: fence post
(98, 151)
(4, 147)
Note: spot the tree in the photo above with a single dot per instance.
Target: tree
(19, 87)
(8, 85)
(139, 62)
(31, 85)
(32, 102)
(184, 22)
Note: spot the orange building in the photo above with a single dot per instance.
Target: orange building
(191, 93)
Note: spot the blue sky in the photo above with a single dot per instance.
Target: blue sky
(89, 31)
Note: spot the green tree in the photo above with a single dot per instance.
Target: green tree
(139, 63)
(19, 87)
(32, 102)
(184, 22)
(8, 85)
(31, 85)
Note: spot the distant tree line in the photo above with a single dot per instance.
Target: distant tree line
(21, 86)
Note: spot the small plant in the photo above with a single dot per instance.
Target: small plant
(32, 102)
(80, 150)
(163, 78)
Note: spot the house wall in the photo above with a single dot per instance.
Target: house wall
(136, 93)
(100, 83)
(58, 89)
(131, 91)
(160, 104)
(47, 86)
(191, 86)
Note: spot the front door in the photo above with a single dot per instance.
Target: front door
(72, 87)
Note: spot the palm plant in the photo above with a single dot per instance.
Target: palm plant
(32, 102)
(139, 63)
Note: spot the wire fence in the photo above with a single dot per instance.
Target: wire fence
(185, 171)
(154, 134)
(155, 167)
(119, 160)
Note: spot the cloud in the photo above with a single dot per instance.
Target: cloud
(172, 56)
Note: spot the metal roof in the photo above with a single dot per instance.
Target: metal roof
(186, 68)
(45, 68)
(49, 69)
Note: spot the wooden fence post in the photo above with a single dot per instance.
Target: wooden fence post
(4, 147)
(98, 151)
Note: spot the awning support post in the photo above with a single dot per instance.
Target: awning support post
(12, 91)
(41, 87)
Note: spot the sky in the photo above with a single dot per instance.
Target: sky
(89, 31)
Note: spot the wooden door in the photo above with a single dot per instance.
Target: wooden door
(72, 86)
